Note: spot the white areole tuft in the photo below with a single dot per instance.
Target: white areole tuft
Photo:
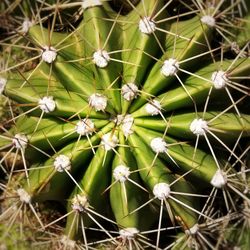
(61, 163)
(146, 25)
(85, 127)
(198, 127)
(109, 141)
(158, 145)
(101, 58)
(79, 202)
(219, 179)
(23, 195)
(128, 233)
(219, 79)
(208, 20)
(49, 54)
(91, 3)
(126, 122)
(20, 141)
(193, 230)
(47, 104)
(129, 91)
(121, 173)
(170, 67)
(26, 25)
(161, 191)
(98, 102)
(153, 107)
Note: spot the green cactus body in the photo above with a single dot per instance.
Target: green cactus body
(121, 119)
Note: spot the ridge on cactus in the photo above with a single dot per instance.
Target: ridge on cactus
(128, 125)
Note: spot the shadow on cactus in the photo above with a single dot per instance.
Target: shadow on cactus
(133, 124)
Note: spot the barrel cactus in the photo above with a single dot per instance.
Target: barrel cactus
(133, 126)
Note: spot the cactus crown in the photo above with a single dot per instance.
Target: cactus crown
(128, 122)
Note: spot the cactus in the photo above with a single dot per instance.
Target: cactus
(132, 123)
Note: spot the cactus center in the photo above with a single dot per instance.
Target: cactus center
(49, 54)
(219, 79)
(109, 141)
(126, 123)
(101, 58)
(23, 195)
(219, 179)
(61, 163)
(208, 20)
(170, 67)
(153, 107)
(161, 191)
(98, 102)
(158, 145)
(3, 82)
(20, 141)
(129, 91)
(79, 202)
(198, 127)
(146, 25)
(47, 104)
(121, 173)
(128, 233)
(85, 127)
